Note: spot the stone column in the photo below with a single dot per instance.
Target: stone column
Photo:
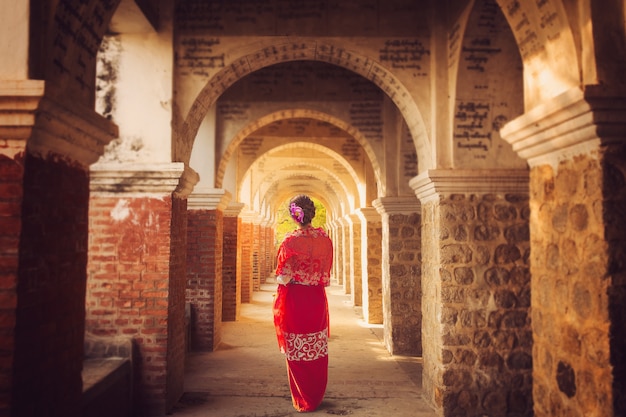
(574, 145)
(476, 334)
(343, 248)
(137, 272)
(205, 238)
(356, 273)
(339, 260)
(371, 265)
(231, 263)
(401, 274)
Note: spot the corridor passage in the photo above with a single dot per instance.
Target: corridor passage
(246, 376)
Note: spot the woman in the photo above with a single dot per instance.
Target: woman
(301, 309)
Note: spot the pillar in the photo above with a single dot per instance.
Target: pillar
(401, 274)
(371, 265)
(231, 263)
(476, 334)
(205, 237)
(574, 145)
(137, 269)
(343, 249)
(356, 273)
(247, 255)
(47, 147)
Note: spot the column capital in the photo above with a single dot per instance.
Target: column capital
(250, 216)
(429, 185)
(187, 182)
(19, 100)
(368, 214)
(397, 205)
(130, 179)
(205, 198)
(233, 209)
(69, 130)
(570, 124)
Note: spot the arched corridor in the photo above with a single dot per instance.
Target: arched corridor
(470, 156)
(246, 375)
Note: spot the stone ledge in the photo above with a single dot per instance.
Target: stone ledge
(141, 179)
(429, 185)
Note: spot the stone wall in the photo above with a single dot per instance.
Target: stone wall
(476, 283)
(405, 284)
(572, 278)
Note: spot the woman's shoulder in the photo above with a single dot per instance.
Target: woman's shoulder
(309, 232)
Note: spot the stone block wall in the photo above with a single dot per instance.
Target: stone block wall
(577, 306)
(477, 338)
(372, 235)
(405, 284)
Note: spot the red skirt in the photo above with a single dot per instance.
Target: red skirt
(301, 321)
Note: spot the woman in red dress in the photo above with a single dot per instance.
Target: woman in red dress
(301, 309)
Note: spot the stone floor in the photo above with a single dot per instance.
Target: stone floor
(246, 376)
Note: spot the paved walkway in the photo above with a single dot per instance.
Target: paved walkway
(247, 377)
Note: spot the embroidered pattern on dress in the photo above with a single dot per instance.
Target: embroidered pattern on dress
(308, 346)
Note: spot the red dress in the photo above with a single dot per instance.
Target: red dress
(301, 313)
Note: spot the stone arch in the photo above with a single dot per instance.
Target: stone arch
(298, 113)
(335, 157)
(292, 49)
(329, 189)
(279, 194)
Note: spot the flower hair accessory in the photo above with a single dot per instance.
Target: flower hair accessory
(296, 212)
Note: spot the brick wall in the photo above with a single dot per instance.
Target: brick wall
(49, 321)
(129, 286)
(176, 309)
(246, 262)
(11, 183)
(256, 256)
(231, 270)
(204, 277)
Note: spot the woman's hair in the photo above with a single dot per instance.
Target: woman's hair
(302, 209)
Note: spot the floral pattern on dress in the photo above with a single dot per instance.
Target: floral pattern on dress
(305, 257)
(307, 347)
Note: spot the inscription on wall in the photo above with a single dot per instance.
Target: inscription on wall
(367, 117)
(77, 39)
(489, 87)
(303, 17)
(525, 16)
(405, 54)
(198, 55)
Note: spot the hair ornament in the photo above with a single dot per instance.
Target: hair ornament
(296, 212)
